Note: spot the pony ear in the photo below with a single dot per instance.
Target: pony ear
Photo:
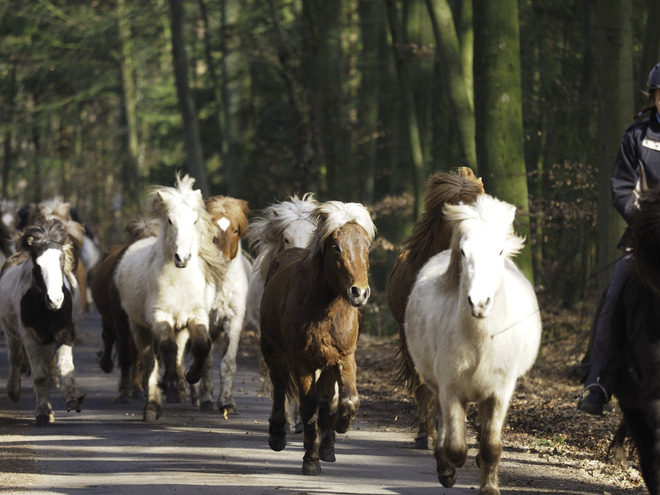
(199, 194)
(510, 215)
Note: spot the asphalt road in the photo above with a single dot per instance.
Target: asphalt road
(107, 449)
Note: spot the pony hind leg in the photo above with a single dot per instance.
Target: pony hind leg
(228, 367)
(16, 354)
(109, 337)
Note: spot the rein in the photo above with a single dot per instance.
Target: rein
(591, 277)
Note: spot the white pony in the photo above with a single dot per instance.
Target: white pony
(229, 216)
(473, 327)
(280, 226)
(40, 306)
(166, 285)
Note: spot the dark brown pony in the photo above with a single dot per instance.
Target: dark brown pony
(114, 321)
(310, 317)
(430, 235)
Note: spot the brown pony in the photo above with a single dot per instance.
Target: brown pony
(430, 235)
(230, 218)
(310, 316)
(114, 321)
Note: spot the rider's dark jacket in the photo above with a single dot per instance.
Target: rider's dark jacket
(640, 147)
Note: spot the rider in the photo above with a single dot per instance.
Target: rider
(638, 160)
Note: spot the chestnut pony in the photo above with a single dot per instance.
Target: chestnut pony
(229, 215)
(430, 235)
(311, 312)
(114, 321)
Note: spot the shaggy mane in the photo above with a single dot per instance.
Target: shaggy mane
(233, 209)
(162, 200)
(47, 232)
(465, 217)
(441, 189)
(331, 216)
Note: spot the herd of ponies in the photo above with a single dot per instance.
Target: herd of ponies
(180, 280)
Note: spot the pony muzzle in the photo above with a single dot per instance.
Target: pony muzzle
(54, 302)
(181, 261)
(481, 307)
(358, 296)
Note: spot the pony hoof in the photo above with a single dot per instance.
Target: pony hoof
(137, 395)
(276, 443)
(207, 405)
(193, 376)
(150, 416)
(72, 404)
(489, 490)
(45, 419)
(447, 481)
(327, 454)
(478, 460)
(311, 468)
(106, 365)
(15, 396)
(421, 443)
(123, 399)
(230, 409)
(299, 427)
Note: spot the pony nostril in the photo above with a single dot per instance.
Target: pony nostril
(355, 292)
(470, 301)
(177, 258)
(487, 301)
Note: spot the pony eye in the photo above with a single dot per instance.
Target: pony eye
(463, 253)
(169, 221)
(501, 252)
(287, 241)
(236, 231)
(337, 248)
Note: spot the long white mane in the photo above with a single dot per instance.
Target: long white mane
(162, 200)
(267, 232)
(331, 216)
(486, 210)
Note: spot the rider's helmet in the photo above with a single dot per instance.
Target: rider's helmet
(654, 79)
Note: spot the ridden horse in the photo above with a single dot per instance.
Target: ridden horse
(229, 215)
(472, 328)
(430, 235)
(281, 226)
(310, 318)
(114, 320)
(635, 322)
(39, 308)
(166, 285)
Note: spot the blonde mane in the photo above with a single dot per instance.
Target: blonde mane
(162, 200)
(331, 216)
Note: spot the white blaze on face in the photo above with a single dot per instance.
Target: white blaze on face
(51, 271)
(223, 223)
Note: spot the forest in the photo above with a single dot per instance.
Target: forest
(353, 100)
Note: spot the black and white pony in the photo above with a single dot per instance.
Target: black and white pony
(39, 307)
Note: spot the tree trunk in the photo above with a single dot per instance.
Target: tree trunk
(498, 111)
(407, 100)
(650, 53)
(448, 51)
(8, 152)
(372, 30)
(186, 104)
(615, 99)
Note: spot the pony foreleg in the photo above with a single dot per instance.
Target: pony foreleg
(451, 447)
(67, 374)
(277, 421)
(15, 350)
(200, 347)
(153, 407)
(327, 388)
(109, 337)
(349, 401)
(206, 385)
(228, 367)
(492, 412)
(309, 415)
(40, 357)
